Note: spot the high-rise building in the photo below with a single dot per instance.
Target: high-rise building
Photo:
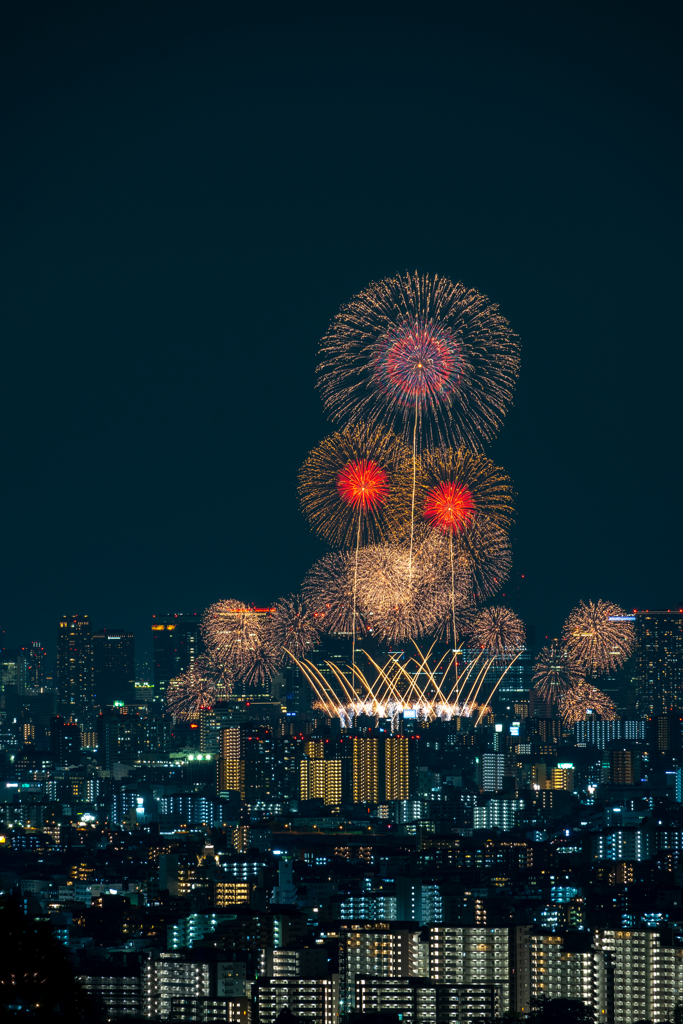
(396, 768)
(321, 780)
(659, 661)
(65, 741)
(36, 660)
(365, 770)
(13, 678)
(176, 642)
(74, 666)
(113, 667)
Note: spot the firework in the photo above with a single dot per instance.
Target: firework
(576, 704)
(345, 484)
(398, 600)
(236, 637)
(598, 637)
(291, 628)
(555, 672)
(328, 590)
(196, 690)
(417, 353)
(498, 631)
(459, 493)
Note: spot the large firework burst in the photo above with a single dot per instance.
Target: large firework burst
(598, 636)
(554, 672)
(399, 600)
(576, 704)
(292, 628)
(345, 484)
(498, 631)
(328, 590)
(417, 353)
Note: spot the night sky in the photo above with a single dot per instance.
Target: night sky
(190, 192)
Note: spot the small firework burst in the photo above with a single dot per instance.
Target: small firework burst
(235, 636)
(192, 692)
(398, 598)
(583, 700)
(554, 672)
(328, 590)
(292, 629)
(499, 631)
(598, 636)
(346, 482)
(417, 352)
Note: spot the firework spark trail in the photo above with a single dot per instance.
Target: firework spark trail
(575, 704)
(416, 351)
(598, 637)
(500, 680)
(555, 672)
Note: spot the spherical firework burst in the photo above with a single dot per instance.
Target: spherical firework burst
(192, 692)
(554, 672)
(345, 484)
(447, 584)
(328, 590)
(459, 492)
(292, 628)
(416, 351)
(398, 599)
(576, 704)
(498, 631)
(598, 636)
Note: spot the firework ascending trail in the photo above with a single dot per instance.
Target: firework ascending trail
(346, 482)
(554, 672)
(576, 704)
(421, 355)
(498, 631)
(598, 637)
(291, 628)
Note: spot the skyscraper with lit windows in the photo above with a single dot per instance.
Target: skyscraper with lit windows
(659, 661)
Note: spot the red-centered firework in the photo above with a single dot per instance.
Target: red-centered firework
(349, 485)
(423, 356)
(459, 491)
(363, 484)
(449, 507)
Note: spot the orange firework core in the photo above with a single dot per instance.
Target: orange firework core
(363, 484)
(449, 507)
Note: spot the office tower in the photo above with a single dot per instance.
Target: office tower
(321, 780)
(659, 661)
(74, 666)
(65, 741)
(36, 660)
(176, 643)
(258, 748)
(113, 667)
(396, 768)
(107, 740)
(365, 770)
(13, 676)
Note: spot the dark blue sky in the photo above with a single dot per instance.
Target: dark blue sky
(188, 196)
